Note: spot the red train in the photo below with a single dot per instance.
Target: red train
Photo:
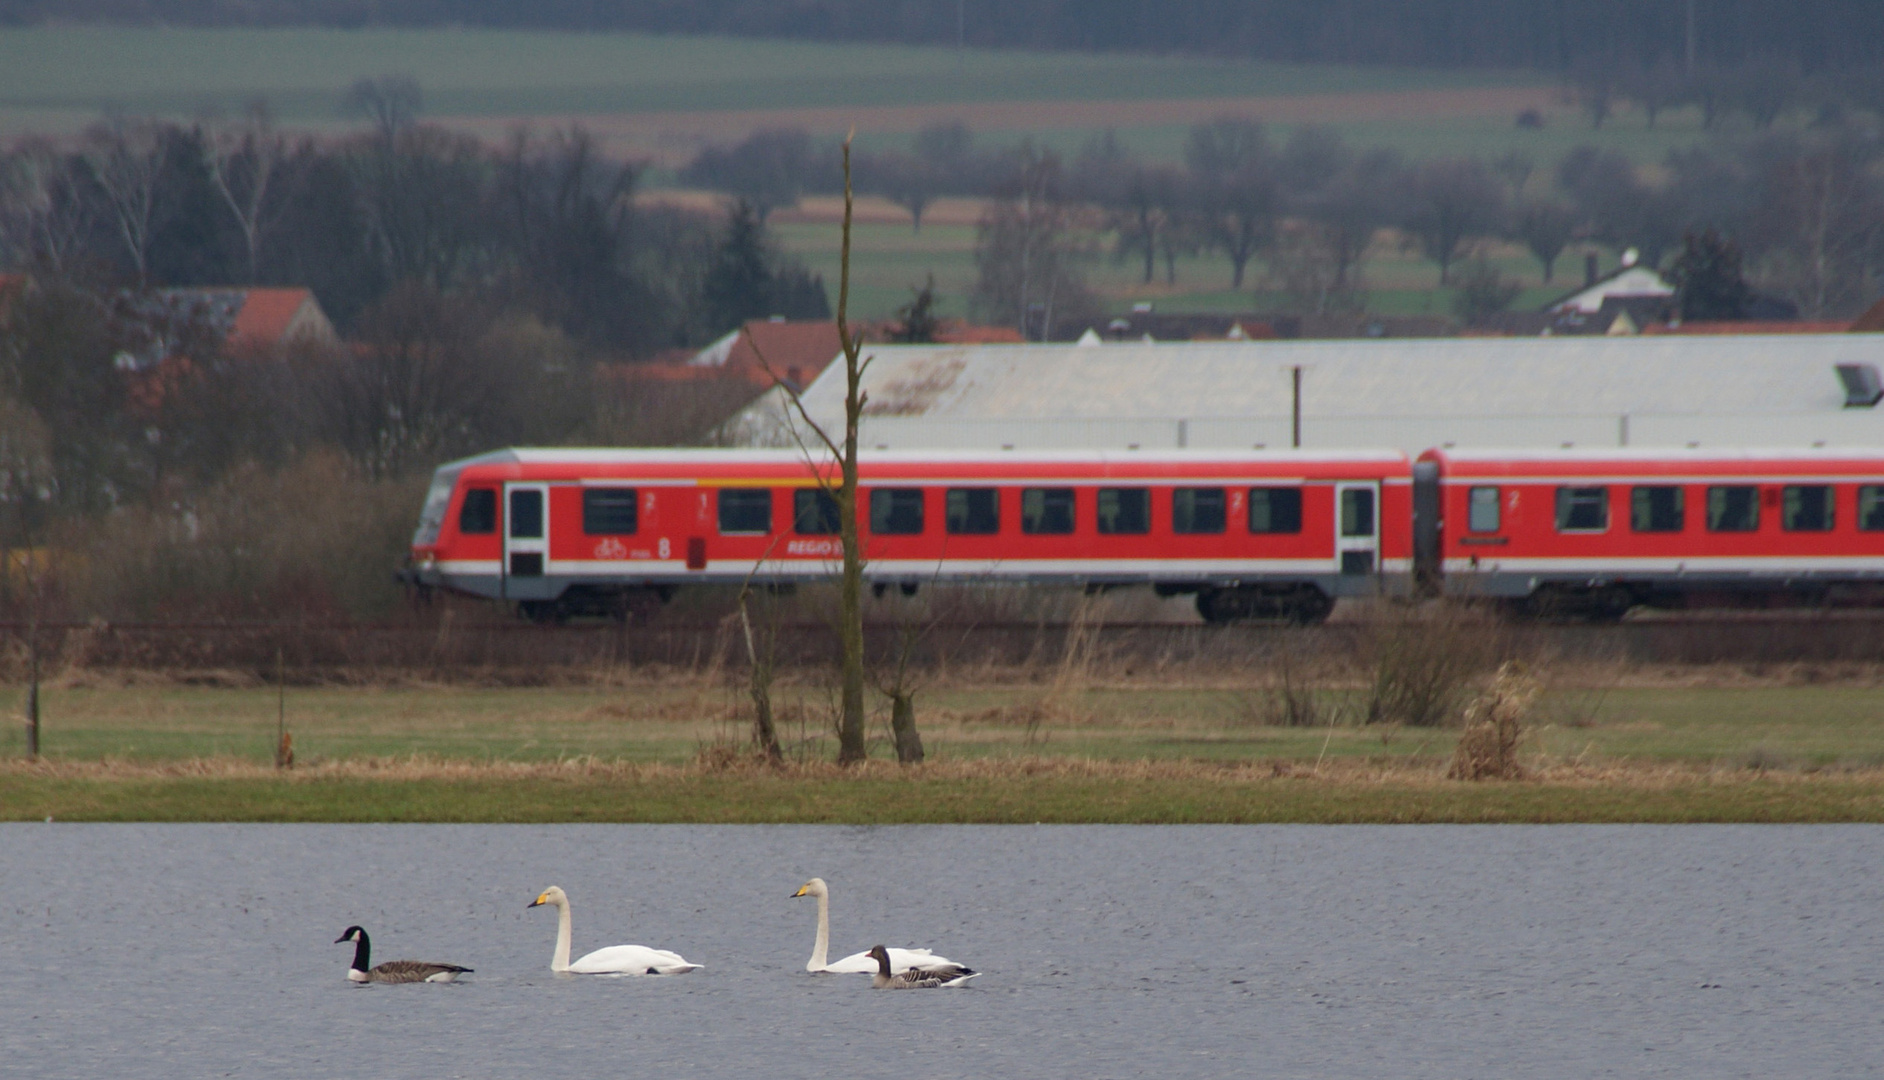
(1254, 534)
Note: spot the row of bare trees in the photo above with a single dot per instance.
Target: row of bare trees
(545, 223)
(1807, 209)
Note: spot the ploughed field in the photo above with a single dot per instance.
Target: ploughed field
(1700, 744)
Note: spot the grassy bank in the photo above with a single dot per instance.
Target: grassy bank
(1722, 723)
(1021, 792)
(1631, 749)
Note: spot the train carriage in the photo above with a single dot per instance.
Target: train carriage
(1254, 534)
(1595, 532)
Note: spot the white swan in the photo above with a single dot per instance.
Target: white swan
(614, 960)
(916, 978)
(392, 971)
(857, 963)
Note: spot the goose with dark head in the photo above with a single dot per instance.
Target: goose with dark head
(392, 971)
(916, 978)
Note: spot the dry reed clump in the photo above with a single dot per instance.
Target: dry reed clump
(1494, 722)
(1422, 660)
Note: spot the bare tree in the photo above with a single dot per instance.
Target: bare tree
(126, 158)
(25, 477)
(422, 194)
(1546, 228)
(1235, 192)
(1819, 222)
(1025, 253)
(1450, 201)
(1352, 207)
(242, 158)
(43, 217)
(391, 102)
(851, 747)
(770, 169)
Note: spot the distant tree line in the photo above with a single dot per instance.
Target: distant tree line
(1554, 35)
(1805, 207)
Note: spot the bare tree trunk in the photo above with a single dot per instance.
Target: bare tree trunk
(850, 726)
(903, 726)
(759, 686)
(32, 683)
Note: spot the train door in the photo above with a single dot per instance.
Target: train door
(526, 530)
(1357, 526)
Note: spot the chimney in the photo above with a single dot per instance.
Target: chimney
(1589, 269)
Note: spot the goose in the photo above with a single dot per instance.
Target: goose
(916, 978)
(857, 963)
(614, 960)
(392, 971)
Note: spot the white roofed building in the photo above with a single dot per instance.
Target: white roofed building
(1669, 390)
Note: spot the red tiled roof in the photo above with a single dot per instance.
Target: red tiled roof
(267, 314)
(1871, 321)
(793, 350)
(964, 333)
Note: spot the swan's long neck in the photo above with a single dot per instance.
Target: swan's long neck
(820, 951)
(560, 961)
(362, 953)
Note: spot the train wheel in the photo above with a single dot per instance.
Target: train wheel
(1311, 606)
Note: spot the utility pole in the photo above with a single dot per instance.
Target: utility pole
(1295, 410)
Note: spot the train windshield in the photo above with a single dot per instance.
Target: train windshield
(437, 501)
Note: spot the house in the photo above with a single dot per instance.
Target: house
(764, 351)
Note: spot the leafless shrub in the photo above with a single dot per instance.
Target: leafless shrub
(1494, 722)
(1293, 697)
(1422, 659)
(312, 539)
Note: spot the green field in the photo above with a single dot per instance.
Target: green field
(998, 753)
(177, 72)
(60, 78)
(1807, 727)
(888, 260)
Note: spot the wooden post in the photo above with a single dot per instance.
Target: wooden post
(284, 745)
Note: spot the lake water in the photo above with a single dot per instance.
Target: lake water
(1688, 951)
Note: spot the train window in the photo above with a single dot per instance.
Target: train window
(896, 511)
(479, 512)
(746, 510)
(1124, 511)
(973, 511)
(1733, 509)
(1582, 509)
(1658, 508)
(815, 513)
(1871, 507)
(1275, 510)
(1047, 510)
(609, 511)
(1481, 510)
(1806, 508)
(526, 514)
(1197, 510)
(1357, 511)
